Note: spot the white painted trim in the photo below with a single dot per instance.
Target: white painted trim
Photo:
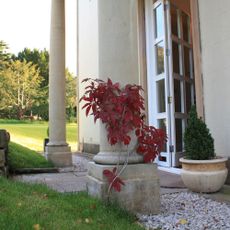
(170, 170)
(172, 158)
(150, 62)
(152, 79)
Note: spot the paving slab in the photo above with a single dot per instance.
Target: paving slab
(172, 190)
(69, 179)
(222, 196)
(73, 179)
(62, 182)
(170, 180)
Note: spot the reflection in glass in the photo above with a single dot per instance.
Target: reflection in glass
(179, 135)
(158, 15)
(160, 58)
(162, 158)
(177, 95)
(175, 22)
(162, 125)
(176, 58)
(187, 58)
(161, 96)
(186, 27)
(188, 96)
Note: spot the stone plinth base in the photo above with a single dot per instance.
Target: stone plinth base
(141, 193)
(60, 156)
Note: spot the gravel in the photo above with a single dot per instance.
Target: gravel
(188, 211)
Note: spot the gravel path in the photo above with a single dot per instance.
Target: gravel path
(188, 211)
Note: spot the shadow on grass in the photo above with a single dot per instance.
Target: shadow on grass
(20, 157)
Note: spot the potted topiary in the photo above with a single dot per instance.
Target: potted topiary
(202, 171)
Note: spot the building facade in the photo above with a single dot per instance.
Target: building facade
(178, 50)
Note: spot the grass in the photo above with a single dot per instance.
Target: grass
(14, 121)
(22, 157)
(25, 206)
(32, 134)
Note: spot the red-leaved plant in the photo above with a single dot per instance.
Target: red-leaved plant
(122, 111)
(114, 181)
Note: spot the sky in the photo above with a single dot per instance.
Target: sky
(26, 23)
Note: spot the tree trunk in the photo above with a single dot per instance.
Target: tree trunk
(20, 113)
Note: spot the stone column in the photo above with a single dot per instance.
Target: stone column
(118, 58)
(57, 150)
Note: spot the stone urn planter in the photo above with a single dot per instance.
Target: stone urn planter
(118, 174)
(114, 158)
(204, 176)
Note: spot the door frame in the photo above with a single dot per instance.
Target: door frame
(152, 43)
(142, 14)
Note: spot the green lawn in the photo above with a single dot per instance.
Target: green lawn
(25, 206)
(22, 157)
(32, 134)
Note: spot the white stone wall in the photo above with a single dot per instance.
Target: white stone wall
(88, 63)
(215, 46)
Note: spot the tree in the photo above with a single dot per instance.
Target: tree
(4, 55)
(41, 61)
(71, 94)
(20, 86)
(40, 58)
(3, 62)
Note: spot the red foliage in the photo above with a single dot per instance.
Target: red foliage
(114, 181)
(121, 110)
(150, 142)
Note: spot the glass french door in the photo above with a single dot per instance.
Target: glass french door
(170, 74)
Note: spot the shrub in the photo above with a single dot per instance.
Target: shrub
(199, 144)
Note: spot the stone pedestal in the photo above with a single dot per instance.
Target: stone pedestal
(141, 193)
(60, 156)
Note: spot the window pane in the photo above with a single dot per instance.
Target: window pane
(161, 96)
(158, 13)
(160, 58)
(162, 125)
(188, 97)
(175, 22)
(187, 58)
(186, 27)
(177, 95)
(176, 58)
(179, 135)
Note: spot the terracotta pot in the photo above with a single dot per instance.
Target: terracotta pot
(204, 176)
